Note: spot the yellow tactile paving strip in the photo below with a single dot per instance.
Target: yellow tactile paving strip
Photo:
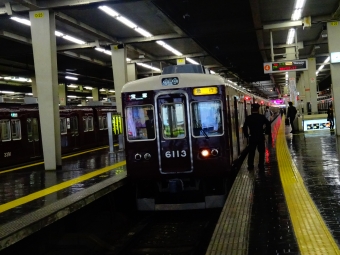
(311, 232)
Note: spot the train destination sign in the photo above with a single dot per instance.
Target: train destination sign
(205, 91)
(285, 66)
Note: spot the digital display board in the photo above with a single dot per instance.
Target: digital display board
(285, 66)
(205, 91)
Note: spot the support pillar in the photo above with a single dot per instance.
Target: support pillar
(310, 86)
(45, 64)
(34, 87)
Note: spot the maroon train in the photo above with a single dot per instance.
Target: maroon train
(183, 137)
(81, 128)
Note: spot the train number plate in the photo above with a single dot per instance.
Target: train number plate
(176, 154)
(7, 154)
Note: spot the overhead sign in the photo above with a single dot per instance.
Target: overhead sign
(285, 66)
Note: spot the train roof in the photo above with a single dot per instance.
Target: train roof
(184, 80)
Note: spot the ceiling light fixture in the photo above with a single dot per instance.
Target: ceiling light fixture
(291, 35)
(72, 86)
(149, 67)
(192, 61)
(169, 48)
(71, 78)
(299, 5)
(124, 20)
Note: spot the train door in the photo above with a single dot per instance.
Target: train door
(174, 132)
(33, 138)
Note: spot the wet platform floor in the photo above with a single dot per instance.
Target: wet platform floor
(291, 208)
(30, 195)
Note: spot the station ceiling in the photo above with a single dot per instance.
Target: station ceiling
(229, 37)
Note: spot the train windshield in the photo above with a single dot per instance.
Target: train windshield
(207, 118)
(140, 122)
(173, 120)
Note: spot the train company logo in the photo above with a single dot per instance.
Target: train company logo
(267, 67)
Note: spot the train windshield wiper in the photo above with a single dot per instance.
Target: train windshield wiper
(204, 133)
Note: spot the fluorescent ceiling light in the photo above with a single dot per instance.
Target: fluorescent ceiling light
(72, 96)
(192, 61)
(71, 78)
(73, 39)
(326, 60)
(89, 97)
(102, 90)
(169, 48)
(7, 92)
(212, 72)
(112, 91)
(291, 35)
(88, 87)
(72, 86)
(149, 67)
(20, 79)
(297, 12)
(59, 34)
(124, 20)
(29, 94)
(22, 21)
(107, 52)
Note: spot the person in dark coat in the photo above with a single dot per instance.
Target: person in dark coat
(291, 113)
(330, 117)
(255, 127)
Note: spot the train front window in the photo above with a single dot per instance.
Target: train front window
(16, 129)
(173, 125)
(140, 122)
(5, 129)
(207, 118)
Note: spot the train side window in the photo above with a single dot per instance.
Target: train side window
(5, 130)
(173, 125)
(74, 125)
(35, 129)
(104, 119)
(89, 123)
(16, 129)
(85, 124)
(140, 122)
(63, 126)
(207, 118)
(100, 122)
(32, 129)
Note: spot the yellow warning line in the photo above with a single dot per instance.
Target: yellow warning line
(55, 188)
(311, 232)
(42, 162)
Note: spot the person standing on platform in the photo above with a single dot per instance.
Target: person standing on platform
(254, 128)
(268, 114)
(330, 117)
(291, 113)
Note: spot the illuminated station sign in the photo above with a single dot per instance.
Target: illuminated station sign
(285, 66)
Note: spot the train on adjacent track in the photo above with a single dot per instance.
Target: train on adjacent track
(183, 139)
(81, 127)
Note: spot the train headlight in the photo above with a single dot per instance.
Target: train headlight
(214, 152)
(147, 156)
(205, 153)
(138, 156)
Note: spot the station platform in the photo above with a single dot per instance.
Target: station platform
(292, 208)
(32, 198)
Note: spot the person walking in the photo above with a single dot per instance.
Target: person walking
(291, 113)
(254, 128)
(330, 117)
(268, 114)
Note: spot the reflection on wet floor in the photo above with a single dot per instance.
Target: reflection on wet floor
(19, 183)
(316, 155)
(271, 230)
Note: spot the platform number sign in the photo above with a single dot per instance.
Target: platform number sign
(38, 15)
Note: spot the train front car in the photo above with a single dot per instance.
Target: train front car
(177, 145)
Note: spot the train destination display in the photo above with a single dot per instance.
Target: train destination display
(285, 66)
